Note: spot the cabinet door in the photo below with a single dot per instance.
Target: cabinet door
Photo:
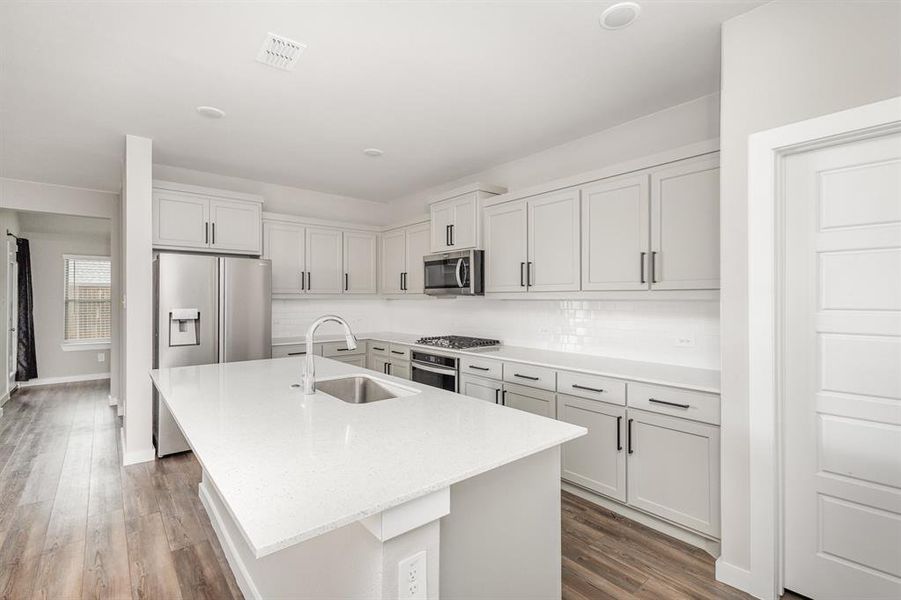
(180, 220)
(685, 225)
(674, 469)
(465, 226)
(399, 369)
(378, 363)
(538, 402)
(357, 360)
(235, 226)
(505, 247)
(325, 268)
(283, 244)
(393, 253)
(416, 248)
(481, 388)
(597, 460)
(442, 214)
(554, 248)
(360, 270)
(615, 234)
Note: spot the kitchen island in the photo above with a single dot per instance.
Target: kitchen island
(315, 497)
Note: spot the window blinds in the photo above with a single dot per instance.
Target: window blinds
(87, 298)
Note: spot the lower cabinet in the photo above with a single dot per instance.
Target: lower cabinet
(389, 366)
(488, 390)
(282, 350)
(535, 401)
(357, 360)
(399, 369)
(674, 469)
(596, 461)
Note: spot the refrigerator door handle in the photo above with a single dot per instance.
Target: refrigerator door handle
(220, 338)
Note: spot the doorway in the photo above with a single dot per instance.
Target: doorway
(12, 310)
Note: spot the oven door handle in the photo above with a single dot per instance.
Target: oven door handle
(431, 369)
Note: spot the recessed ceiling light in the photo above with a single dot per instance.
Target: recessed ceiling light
(620, 15)
(372, 152)
(211, 112)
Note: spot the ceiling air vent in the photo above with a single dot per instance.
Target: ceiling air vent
(280, 52)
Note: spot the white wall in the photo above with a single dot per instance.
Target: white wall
(284, 199)
(47, 250)
(9, 220)
(694, 121)
(782, 62)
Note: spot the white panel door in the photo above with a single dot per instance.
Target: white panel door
(283, 244)
(181, 220)
(416, 248)
(505, 247)
(488, 390)
(615, 234)
(554, 248)
(538, 402)
(235, 226)
(399, 369)
(597, 460)
(465, 227)
(842, 370)
(442, 218)
(325, 267)
(674, 469)
(360, 267)
(393, 261)
(685, 225)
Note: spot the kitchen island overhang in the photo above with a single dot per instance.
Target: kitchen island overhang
(287, 476)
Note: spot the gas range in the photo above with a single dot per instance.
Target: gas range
(457, 342)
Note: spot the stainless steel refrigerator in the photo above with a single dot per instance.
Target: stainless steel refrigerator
(206, 309)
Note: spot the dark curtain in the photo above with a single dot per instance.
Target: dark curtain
(27, 367)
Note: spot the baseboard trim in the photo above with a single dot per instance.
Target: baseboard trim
(66, 379)
(135, 456)
(737, 577)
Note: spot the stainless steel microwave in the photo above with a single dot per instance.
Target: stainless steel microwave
(458, 273)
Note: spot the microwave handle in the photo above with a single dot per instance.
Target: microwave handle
(459, 272)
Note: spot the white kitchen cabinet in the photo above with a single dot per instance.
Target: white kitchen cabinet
(357, 360)
(378, 363)
(187, 217)
(455, 223)
(417, 247)
(535, 401)
(554, 259)
(285, 245)
(674, 469)
(360, 265)
(283, 350)
(402, 265)
(399, 368)
(596, 461)
(615, 234)
(685, 225)
(488, 390)
(324, 261)
(506, 252)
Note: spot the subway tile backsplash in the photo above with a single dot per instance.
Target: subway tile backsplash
(673, 332)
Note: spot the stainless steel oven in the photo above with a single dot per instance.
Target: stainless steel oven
(436, 370)
(454, 273)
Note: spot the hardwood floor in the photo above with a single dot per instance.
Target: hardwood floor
(75, 524)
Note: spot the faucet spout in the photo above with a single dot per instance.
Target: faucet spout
(309, 375)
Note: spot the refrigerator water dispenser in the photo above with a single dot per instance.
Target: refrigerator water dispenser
(184, 327)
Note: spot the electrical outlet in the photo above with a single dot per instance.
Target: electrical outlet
(411, 577)
(685, 341)
(101, 357)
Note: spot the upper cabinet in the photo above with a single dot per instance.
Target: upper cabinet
(360, 262)
(402, 252)
(455, 220)
(187, 217)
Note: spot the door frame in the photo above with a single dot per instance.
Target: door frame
(766, 152)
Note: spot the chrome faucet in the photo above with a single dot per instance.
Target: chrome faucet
(309, 375)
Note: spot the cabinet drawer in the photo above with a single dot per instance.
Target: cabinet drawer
(294, 350)
(378, 348)
(592, 387)
(330, 349)
(483, 367)
(696, 406)
(530, 375)
(398, 352)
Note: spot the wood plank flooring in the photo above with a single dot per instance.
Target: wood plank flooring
(75, 524)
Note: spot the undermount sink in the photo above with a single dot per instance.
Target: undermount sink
(356, 390)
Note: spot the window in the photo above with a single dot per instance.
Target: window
(87, 299)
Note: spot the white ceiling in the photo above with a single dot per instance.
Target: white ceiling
(444, 88)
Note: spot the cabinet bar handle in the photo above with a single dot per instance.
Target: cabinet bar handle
(303, 280)
(389, 368)
(206, 232)
(641, 262)
(396, 352)
(529, 273)
(452, 234)
(403, 281)
(342, 349)
(529, 377)
(213, 227)
(346, 282)
(379, 349)
(447, 241)
(619, 441)
(479, 368)
(676, 404)
(504, 398)
(522, 282)
(296, 353)
(585, 387)
(497, 392)
(310, 280)
(653, 267)
(629, 432)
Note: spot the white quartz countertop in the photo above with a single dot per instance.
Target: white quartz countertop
(290, 467)
(702, 380)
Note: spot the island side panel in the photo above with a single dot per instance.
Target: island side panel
(502, 536)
